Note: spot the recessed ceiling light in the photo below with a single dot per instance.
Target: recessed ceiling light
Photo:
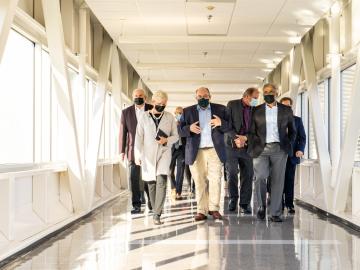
(210, 8)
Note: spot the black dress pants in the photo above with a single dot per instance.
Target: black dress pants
(134, 175)
(289, 184)
(239, 160)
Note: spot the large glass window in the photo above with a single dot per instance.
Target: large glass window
(347, 79)
(17, 101)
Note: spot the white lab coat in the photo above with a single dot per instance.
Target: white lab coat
(155, 158)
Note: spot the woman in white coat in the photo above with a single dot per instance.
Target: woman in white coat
(156, 132)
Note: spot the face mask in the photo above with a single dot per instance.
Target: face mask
(269, 99)
(139, 100)
(159, 108)
(203, 102)
(254, 102)
(178, 117)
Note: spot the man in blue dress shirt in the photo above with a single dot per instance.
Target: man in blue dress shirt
(204, 125)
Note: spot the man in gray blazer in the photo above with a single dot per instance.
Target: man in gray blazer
(271, 138)
(237, 158)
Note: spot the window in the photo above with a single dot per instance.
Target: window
(17, 101)
(304, 116)
(45, 143)
(311, 138)
(347, 78)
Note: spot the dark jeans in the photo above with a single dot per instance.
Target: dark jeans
(178, 161)
(288, 200)
(135, 175)
(157, 192)
(239, 160)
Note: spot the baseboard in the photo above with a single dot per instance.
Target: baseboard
(336, 219)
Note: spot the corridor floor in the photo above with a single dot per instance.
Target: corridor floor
(113, 239)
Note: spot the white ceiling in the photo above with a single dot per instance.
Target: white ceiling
(165, 40)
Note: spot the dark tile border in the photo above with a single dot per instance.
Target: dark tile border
(336, 219)
(55, 233)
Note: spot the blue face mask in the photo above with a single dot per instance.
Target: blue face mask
(178, 117)
(254, 102)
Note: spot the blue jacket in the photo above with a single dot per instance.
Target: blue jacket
(300, 141)
(190, 116)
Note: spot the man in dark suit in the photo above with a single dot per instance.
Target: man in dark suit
(204, 125)
(298, 147)
(270, 141)
(178, 161)
(240, 111)
(129, 119)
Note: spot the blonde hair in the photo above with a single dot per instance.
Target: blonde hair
(159, 94)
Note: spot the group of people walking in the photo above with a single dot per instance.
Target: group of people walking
(262, 142)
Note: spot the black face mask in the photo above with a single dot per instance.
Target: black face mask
(139, 101)
(159, 108)
(203, 102)
(269, 99)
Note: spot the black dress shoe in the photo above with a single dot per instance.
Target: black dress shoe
(275, 219)
(136, 210)
(245, 209)
(232, 205)
(261, 212)
(291, 210)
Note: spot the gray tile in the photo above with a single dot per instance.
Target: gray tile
(109, 239)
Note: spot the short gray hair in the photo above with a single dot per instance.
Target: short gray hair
(160, 95)
(139, 89)
(272, 86)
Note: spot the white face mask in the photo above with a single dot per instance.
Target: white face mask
(254, 102)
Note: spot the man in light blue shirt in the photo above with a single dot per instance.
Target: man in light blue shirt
(205, 126)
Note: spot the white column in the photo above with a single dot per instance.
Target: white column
(56, 44)
(355, 22)
(7, 12)
(68, 19)
(84, 15)
(318, 122)
(335, 97)
(294, 77)
(116, 93)
(348, 149)
(97, 118)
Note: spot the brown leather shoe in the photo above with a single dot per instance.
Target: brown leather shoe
(200, 217)
(216, 215)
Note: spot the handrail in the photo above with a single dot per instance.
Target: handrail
(19, 170)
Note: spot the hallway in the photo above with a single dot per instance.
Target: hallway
(111, 239)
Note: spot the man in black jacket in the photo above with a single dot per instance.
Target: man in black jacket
(128, 123)
(271, 139)
(240, 111)
(178, 162)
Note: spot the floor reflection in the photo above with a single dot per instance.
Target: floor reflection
(112, 239)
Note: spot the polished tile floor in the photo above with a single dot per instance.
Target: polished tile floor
(113, 239)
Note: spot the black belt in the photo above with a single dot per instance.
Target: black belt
(206, 148)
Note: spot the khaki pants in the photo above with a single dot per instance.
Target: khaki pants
(207, 173)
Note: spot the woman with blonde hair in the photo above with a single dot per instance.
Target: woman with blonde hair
(155, 134)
